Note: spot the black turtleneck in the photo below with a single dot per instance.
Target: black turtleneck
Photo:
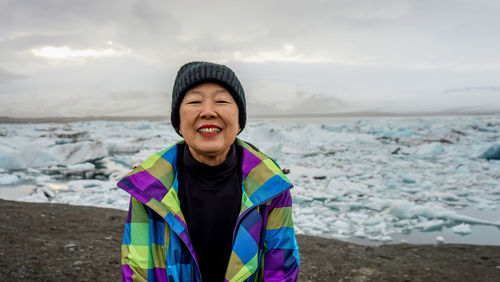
(210, 198)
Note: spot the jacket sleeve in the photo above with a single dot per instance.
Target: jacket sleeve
(280, 258)
(140, 251)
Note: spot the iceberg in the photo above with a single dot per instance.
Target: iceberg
(64, 154)
(363, 178)
(26, 159)
(74, 153)
(493, 153)
(461, 229)
(6, 179)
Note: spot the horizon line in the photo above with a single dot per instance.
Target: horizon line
(361, 114)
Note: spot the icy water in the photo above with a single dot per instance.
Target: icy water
(480, 234)
(369, 181)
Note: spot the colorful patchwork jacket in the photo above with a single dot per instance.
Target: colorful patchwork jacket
(156, 244)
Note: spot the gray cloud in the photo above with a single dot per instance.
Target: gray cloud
(368, 53)
(364, 32)
(6, 76)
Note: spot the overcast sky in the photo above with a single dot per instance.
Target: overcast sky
(120, 57)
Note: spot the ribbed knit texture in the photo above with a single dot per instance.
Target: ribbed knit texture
(196, 73)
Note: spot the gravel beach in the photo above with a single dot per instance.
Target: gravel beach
(56, 242)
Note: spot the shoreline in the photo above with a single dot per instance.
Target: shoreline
(481, 235)
(82, 243)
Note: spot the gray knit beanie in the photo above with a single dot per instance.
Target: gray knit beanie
(195, 73)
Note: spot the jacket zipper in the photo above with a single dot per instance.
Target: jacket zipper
(238, 222)
(240, 218)
(190, 252)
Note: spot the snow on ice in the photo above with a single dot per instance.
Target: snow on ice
(368, 178)
(462, 229)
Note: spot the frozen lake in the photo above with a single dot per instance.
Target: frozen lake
(368, 180)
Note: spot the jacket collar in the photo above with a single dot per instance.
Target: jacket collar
(154, 182)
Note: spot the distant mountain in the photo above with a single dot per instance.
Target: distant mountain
(473, 89)
(299, 103)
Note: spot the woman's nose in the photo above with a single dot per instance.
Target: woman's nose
(208, 111)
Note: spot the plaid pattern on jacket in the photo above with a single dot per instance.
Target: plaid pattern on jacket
(156, 244)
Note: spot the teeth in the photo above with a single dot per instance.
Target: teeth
(209, 130)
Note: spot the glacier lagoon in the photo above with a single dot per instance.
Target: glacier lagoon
(363, 180)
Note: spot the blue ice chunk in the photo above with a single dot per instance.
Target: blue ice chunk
(333, 128)
(143, 126)
(493, 153)
(408, 180)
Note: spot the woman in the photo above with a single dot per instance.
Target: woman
(211, 206)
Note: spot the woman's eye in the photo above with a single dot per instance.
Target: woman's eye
(222, 102)
(193, 102)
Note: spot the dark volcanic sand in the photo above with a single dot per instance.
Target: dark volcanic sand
(53, 242)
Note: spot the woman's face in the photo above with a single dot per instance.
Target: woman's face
(209, 122)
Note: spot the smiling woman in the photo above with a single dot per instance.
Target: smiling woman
(211, 206)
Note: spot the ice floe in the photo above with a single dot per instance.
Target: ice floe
(462, 229)
(367, 178)
(493, 153)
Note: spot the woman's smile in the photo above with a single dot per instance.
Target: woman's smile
(209, 130)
